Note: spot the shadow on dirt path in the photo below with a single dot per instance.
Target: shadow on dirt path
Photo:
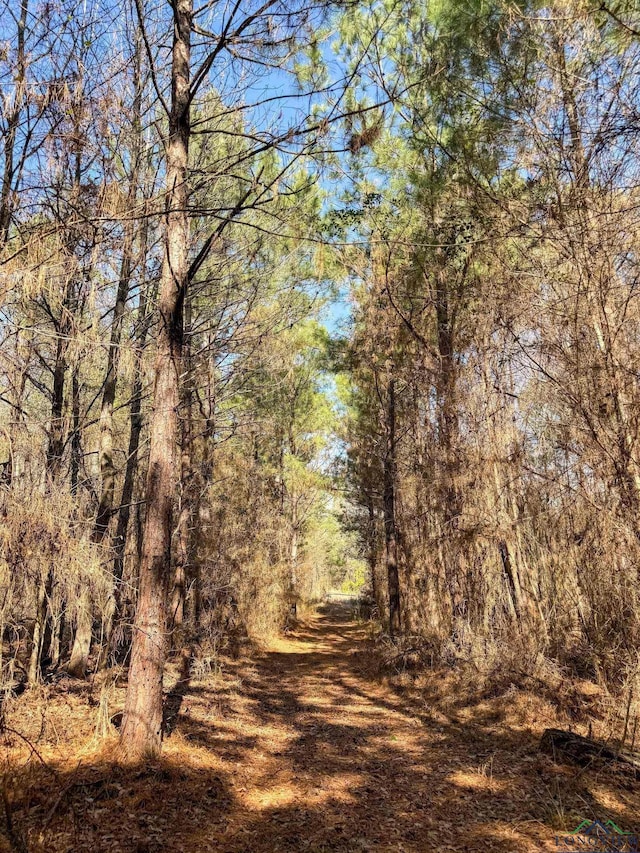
(302, 749)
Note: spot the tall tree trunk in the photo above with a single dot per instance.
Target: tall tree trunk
(77, 665)
(76, 434)
(56, 431)
(116, 613)
(390, 530)
(55, 450)
(11, 129)
(38, 639)
(82, 640)
(142, 724)
(372, 549)
(293, 556)
(16, 461)
(107, 468)
(187, 495)
(448, 431)
(145, 298)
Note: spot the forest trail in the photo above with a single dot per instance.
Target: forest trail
(303, 748)
(323, 756)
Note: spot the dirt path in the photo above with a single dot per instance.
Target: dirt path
(324, 757)
(302, 749)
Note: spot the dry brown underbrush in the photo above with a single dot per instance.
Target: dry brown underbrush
(528, 688)
(47, 562)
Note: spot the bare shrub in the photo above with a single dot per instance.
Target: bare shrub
(46, 559)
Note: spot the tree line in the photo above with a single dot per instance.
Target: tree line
(190, 441)
(494, 389)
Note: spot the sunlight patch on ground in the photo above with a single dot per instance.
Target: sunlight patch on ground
(477, 781)
(510, 838)
(612, 801)
(328, 789)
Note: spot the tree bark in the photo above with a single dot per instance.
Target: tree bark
(76, 434)
(142, 724)
(77, 666)
(57, 634)
(116, 613)
(372, 551)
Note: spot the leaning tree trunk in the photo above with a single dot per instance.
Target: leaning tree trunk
(142, 724)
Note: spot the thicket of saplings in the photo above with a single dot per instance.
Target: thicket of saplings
(238, 590)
